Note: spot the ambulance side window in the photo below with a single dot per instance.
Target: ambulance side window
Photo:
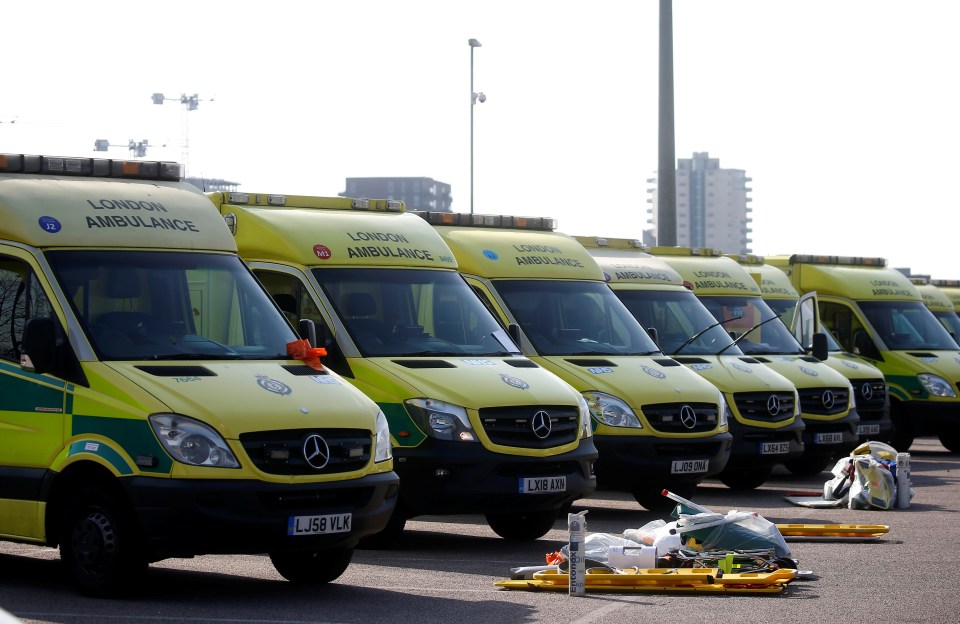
(843, 323)
(21, 298)
(291, 296)
(485, 300)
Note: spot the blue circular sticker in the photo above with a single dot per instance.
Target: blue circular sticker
(49, 224)
(490, 254)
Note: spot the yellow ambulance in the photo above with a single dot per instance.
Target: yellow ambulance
(939, 303)
(766, 425)
(869, 387)
(656, 423)
(733, 297)
(875, 312)
(476, 426)
(154, 402)
(951, 288)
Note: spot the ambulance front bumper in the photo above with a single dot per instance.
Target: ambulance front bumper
(184, 517)
(440, 477)
(631, 461)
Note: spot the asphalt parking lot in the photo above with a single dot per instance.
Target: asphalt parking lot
(445, 568)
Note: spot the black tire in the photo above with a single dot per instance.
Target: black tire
(807, 467)
(522, 527)
(312, 568)
(949, 439)
(744, 479)
(652, 498)
(901, 440)
(100, 544)
(902, 435)
(389, 536)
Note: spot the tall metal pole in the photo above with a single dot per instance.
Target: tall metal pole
(473, 102)
(666, 164)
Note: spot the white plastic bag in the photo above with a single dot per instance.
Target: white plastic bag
(647, 534)
(735, 531)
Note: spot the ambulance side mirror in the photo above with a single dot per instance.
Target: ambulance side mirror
(308, 331)
(514, 331)
(39, 346)
(820, 346)
(654, 335)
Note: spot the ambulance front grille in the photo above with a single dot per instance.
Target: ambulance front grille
(765, 406)
(870, 392)
(681, 417)
(299, 452)
(524, 426)
(823, 401)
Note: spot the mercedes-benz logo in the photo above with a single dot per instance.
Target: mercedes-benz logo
(316, 452)
(688, 417)
(541, 425)
(773, 405)
(866, 391)
(827, 399)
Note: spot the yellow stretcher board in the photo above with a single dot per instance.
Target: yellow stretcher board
(661, 580)
(837, 532)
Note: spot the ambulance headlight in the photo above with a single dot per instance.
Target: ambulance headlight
(441, 420)
(936, 385)
(586, 423)
(853, 398)
(384, 447)
(725, 412)
(192, 442)
(610, 410)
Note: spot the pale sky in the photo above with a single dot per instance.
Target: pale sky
(843, 112)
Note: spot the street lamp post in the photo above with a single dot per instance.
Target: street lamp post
(190, 103)
(474, 96)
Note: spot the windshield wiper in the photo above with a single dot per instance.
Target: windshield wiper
(197, 356)
(744, 334)
(705, 330)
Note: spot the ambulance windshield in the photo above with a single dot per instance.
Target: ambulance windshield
(765, 332)
(413, 312)
(684, 326)
(140, 305)
(570, 317)
(905, 325)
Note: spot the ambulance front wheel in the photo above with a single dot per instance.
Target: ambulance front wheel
(522, 527)
(950, 441)
(744, 479)
(808, 467)
(312, 568)
(651, 498)
(100, 544)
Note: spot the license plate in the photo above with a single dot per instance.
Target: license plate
(828, 438)
(774, 448)
(542, 485)
(683, 466)
(319, 525)
(868, 429)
